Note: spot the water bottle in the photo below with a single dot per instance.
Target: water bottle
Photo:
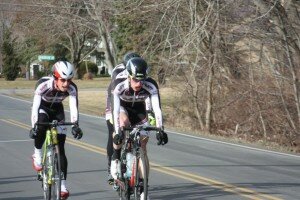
(129, 162)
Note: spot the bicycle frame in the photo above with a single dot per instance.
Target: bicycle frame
(51, 174)
(129, 185)
(51, 139)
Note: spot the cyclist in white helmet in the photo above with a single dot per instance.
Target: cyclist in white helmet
(47, 106)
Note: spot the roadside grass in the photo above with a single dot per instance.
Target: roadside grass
(92, 100)
(91, 93)
(21, 83)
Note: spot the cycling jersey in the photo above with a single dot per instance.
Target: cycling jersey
(46, 96)
(124, 96)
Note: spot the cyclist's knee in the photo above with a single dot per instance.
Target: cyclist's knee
(144, 141)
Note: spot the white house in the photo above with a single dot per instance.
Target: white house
(35, 66)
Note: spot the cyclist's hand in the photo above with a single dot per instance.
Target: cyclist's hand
(33, 133)
(77, 132)
(162, 137)
(118, 138)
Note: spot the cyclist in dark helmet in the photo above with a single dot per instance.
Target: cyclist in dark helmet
(122, 65)
(130, 89)
(128, 56)
(108, 115)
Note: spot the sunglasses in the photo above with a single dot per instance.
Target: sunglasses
(137, 80)
(65, 80)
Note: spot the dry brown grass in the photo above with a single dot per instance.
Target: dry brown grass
(22, 83)
(92, 100)
(92, 93)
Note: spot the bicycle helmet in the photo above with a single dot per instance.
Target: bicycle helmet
(63, 70)
(128, 56)
(137, 68)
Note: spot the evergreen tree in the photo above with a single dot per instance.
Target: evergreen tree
(10, 59)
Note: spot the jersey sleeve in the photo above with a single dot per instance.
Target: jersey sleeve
(108, 114)
(157, 110)
(73, 103)
(35, 108)
(41, 87)
(118, 87)
(151, 86)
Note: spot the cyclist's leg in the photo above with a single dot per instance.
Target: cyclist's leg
(39, 141)
(138, 116)
(63, 158)
(124, 121)
(144, 141)
(109, 148)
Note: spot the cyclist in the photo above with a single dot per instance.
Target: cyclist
(108, 115)
(47, 106)
(129, 91)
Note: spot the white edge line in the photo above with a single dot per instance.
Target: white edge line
(185, 135)
(8, 141)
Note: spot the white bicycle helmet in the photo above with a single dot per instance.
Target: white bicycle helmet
(63, 70)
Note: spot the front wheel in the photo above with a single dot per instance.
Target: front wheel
(52, 174)
(141, 179)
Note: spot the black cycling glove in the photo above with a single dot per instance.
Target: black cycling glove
(77, 132)
(162, 137)
(33, 133)
(118, 138)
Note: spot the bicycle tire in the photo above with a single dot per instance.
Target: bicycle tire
(56, 186)
(46, 172)
(124, 193)
(52, 174)
(141, 186)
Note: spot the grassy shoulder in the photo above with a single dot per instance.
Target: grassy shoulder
(92, 100)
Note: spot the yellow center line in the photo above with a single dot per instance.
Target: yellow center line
(250, 194)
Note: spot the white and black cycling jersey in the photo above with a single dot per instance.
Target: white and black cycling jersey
(46, 96)
(119, 72)
(124, 96)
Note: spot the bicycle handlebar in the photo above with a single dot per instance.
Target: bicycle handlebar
(55, 123)
(142, 127)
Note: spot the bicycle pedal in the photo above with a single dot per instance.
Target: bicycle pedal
(39, 177)
(116, 187)
(110, 182)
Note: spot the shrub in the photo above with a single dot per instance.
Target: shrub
(92, 68)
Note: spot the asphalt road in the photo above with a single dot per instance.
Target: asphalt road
(186, 168)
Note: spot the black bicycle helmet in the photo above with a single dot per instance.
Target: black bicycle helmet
(128, 56)
(137, 68)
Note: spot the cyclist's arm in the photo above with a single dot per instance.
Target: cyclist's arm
(108, 114)
(148, 105)
(116, 111)
(156, 109)
(73, 103)
(35, 108)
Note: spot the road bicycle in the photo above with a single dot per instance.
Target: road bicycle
(51, 174)
(133, 173)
